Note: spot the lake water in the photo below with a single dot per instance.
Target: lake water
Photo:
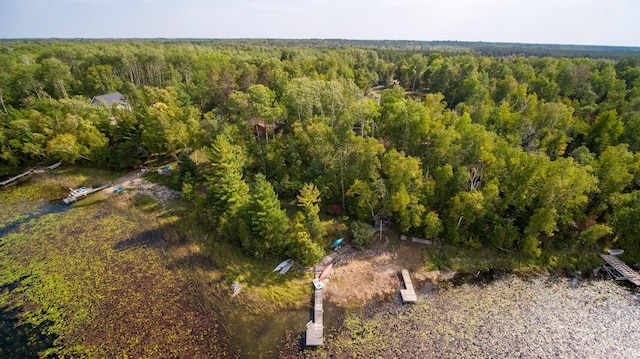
(42, 209)
(260, 336)
(508, 317)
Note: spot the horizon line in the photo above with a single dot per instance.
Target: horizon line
(2, 39)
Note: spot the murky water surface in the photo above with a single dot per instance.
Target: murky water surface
(508, 317)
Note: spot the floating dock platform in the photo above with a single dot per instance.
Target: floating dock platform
(78, 194)
(409, 294)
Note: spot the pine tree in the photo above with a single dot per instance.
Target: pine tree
(267, 220)
(228, 191)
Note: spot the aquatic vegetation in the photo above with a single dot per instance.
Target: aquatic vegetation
(508, 318)
(98, 279)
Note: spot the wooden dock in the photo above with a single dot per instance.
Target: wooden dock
(631, 275)
(15, 178)
(77, 195)
(28, 172)
(419, 240)
(409, 294)
(315, 327)
(54, 166)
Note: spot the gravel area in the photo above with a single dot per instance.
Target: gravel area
(356, 254)
(508, 318)
(160, 194)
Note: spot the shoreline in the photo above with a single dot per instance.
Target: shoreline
(540, 316)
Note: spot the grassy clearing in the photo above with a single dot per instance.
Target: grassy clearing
(264, 291)
(169, 181)
(90, 176)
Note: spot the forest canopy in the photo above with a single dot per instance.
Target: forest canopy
(519, 153)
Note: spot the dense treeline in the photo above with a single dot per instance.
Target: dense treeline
(520, 153)
(501, 49)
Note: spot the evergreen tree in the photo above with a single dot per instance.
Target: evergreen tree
(228, 191)
(268, 222)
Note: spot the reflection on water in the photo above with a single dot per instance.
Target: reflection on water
(258, 336)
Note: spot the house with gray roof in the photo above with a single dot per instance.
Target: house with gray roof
(112, 100)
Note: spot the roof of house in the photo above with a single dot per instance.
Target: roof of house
(111, 99)
(261, 122)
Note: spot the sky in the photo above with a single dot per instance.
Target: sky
(580, 22)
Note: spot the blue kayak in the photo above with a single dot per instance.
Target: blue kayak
(337, 242)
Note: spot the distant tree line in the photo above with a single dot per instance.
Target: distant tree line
(525, 154)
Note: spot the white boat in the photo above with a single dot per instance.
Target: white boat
(282, 265)
(286, 267)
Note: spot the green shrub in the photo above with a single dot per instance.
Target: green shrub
(362, 233)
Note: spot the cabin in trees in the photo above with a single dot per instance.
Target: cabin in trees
(112, 100)
(263, 129)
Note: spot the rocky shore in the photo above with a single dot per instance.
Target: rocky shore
(160, 194)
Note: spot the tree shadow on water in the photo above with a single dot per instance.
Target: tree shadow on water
(19, 339)
(152, 238)
(13, 285)
(22, 340)
(192, 261)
